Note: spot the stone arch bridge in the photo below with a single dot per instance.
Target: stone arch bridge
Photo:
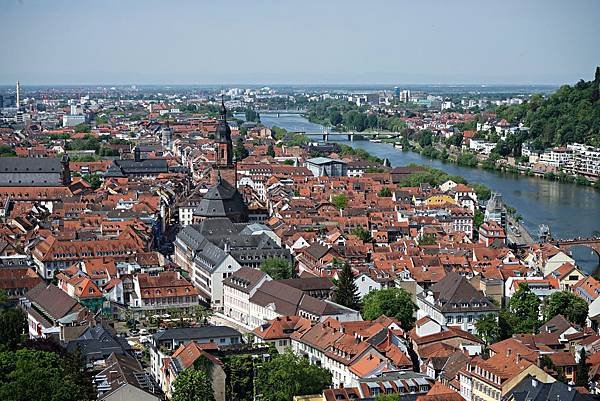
(592, 242)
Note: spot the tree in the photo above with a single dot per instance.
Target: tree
(270, 151)
(392, 302)
(201, 313)
(277, 268)
(7, 151)
(566, 303)
(483, 193)
(42, 376)
(362, 233)
(467, 159)
(239, 370)
(340, 201)
(505, 328)
(582, 373)
(252, 115)
(488, 329)
(193, 384)
(287, 375)
(83, 127)
(12, 326)
(346, 292)
(478, 219)
(425, 138)
(524, 306)
(387, 397)
(385, 193)
(101, 119)
(240, 150)
(427, 239)
(455, 139)
(94, 180)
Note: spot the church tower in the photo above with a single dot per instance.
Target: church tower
(223, 136)
(224, 149)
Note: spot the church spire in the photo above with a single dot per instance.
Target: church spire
(223, 136)
(223, 110)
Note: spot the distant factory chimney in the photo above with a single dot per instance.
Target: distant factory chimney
(18, 94)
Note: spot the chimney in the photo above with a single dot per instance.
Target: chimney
(518, 357)
(508, 351)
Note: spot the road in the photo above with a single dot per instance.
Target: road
(524, 239)
(220, 320)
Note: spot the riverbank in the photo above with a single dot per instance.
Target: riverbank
(470, 159)
(569, 210)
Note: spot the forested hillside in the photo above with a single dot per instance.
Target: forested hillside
(571, 114)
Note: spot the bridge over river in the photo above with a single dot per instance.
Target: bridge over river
(591, 242)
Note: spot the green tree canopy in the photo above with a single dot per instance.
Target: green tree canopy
(428, 239)
(346, 292)
(7, 151)
(566, 303)
(240, 150)
(277, 268)
(340, 201)
(252, 115)
(487, 328)
(193, 384)
(287, 375)
(27, 375)
(239, 370)
(385, 193)
(83, 127)
(13, 324)
(571, 114)
(483, 193)
(524, 306)
(392, 302)
(582, 375)
(362, 233)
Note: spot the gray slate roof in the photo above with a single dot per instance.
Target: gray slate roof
(530, 389)
(32, 171)
(122, 168)
(223, 200)
(195, 333)
(454, 290)
(30, 164)
(209, 239)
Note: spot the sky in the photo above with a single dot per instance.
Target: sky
(298, 42)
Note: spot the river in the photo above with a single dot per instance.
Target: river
(568, 209)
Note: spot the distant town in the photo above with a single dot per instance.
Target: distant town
(166, 243)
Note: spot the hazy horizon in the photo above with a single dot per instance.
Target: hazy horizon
(343, 43)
